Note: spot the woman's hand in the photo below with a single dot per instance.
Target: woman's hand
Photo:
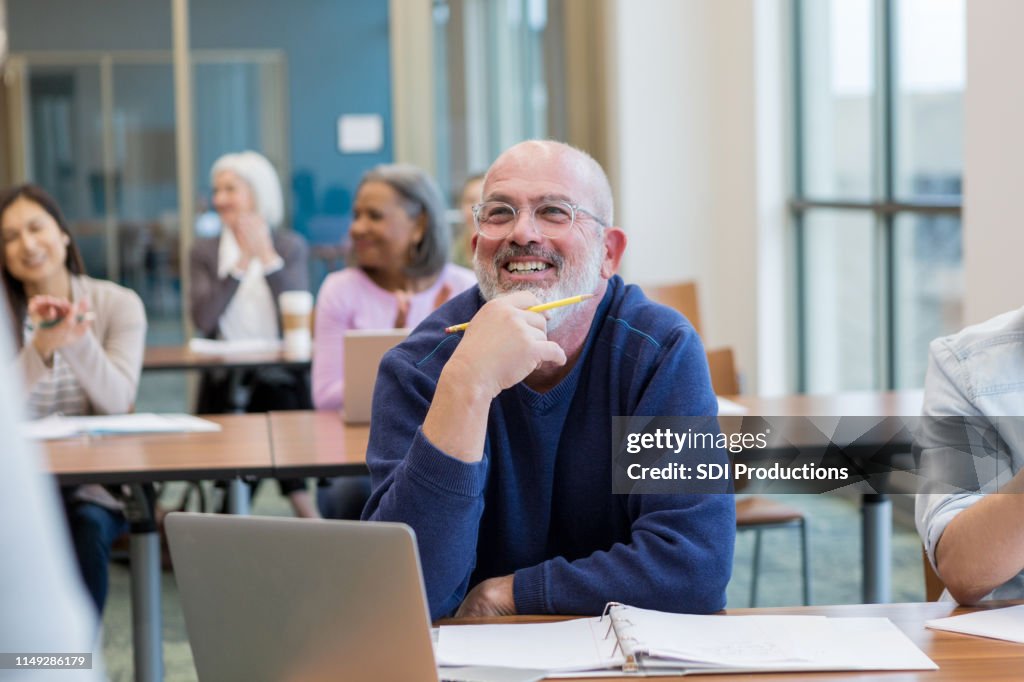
(58, 323)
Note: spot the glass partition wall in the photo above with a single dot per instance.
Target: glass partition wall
(98, 131)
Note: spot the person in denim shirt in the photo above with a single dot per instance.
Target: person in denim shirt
(975, 540)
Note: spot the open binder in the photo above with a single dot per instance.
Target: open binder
(643, 642)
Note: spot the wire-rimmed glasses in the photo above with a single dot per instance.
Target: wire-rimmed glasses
(553, 219)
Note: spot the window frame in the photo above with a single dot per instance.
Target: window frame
(885, 207)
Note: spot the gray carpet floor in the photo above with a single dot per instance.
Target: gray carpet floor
(835, 560)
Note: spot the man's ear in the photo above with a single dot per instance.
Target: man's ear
(472, 242)
(614, 246)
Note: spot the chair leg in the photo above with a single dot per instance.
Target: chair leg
(757, 568)
(805, 550)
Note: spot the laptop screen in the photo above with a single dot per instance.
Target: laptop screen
(284, 598)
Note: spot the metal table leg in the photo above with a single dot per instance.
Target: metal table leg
(238, 497)
(147, 635)
(877, 544)
(147, 625)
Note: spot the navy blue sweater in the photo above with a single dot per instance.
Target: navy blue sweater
(540, 504)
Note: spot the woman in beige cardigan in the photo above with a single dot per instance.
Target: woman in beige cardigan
(80, 344)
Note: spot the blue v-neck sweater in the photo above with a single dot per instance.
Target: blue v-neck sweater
(540, 504)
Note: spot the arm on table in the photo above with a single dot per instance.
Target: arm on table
(976, 542)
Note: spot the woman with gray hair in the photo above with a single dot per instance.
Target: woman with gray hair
(236, 280)
(399, 273)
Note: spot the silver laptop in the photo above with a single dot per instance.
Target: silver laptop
(297, 599)
(364, 349)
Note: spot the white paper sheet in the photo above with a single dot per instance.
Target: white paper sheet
(729, 408)
(478, 673)
(56, 427)
(578, 644)
(1007, 624)
(695, 644)
(240, 347)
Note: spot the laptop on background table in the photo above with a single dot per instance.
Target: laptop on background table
(364, 349)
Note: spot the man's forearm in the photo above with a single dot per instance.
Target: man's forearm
(456, 422)
(983, 546)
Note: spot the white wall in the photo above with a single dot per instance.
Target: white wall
(697, 150)
(993, 173)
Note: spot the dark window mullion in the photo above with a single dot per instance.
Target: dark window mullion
(798, 191)
(887, 89)
(952, 207)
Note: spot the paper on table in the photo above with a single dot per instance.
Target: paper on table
(738, 641)
(239, 347)
(56, 426)
(578, 644)
(478, 673)
(693, 643)
(728, 408)
(1007, 624)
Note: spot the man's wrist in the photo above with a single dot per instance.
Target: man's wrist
(456, 422)
(467, 381)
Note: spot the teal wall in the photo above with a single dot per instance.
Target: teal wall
(337, 55)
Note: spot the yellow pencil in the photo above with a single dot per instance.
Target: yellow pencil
(535, 309)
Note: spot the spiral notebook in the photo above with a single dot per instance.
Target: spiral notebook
(644, 642)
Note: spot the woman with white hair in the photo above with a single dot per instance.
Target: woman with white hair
(236, 280)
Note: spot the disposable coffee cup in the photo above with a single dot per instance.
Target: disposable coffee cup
(296, 312)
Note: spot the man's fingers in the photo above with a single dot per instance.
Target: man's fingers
(553, 353)
(521, 299)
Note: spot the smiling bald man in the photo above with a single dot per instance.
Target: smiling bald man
(495, 444)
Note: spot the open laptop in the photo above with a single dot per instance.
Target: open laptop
(298, 599)
(364, 349)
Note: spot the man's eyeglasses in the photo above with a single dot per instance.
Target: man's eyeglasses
(553, 219)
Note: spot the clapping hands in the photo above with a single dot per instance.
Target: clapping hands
(252, 234)
(58, 323)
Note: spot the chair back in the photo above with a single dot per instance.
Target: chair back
(681, 296)
(933, 585)
(724, 377)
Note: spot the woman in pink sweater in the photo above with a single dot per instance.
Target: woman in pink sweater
(399, 273)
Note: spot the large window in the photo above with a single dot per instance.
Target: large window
(878, 175)
(494, 63)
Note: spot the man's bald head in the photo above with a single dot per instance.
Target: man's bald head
(594, 190)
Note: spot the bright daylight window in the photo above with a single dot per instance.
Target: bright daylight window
(878, 178)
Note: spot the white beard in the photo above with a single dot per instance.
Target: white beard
(583, 278)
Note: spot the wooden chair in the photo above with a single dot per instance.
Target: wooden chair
(681, 296)
(933, 585)
(756, 513)
(724, 377)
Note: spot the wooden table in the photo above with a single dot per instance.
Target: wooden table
(959, 657)
(905, 403)
(320, 444)
(876, 509)
(241, 447)
(180, 358)
(317, 443)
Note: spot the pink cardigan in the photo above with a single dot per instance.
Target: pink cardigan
(349, 299)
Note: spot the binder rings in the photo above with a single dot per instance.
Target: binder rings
(642, 642)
